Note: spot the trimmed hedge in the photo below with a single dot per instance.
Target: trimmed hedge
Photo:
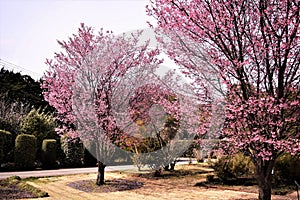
(41, 125)
(25, 150)
(49, 153)
(5, 145)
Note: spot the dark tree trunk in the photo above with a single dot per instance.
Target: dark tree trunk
(100, 176)
(172, 166)
(264, 178)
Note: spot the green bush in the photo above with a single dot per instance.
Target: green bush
(286, 168)
(25, 151)
(39, 124)
(73, 150)
(233, 167)
(6, 145)
(49, 153)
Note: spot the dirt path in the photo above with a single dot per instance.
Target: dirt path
(57, 189)
(168, 188)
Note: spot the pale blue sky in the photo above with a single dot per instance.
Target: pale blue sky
(29, 28)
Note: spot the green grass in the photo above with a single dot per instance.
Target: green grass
(42, 179)
(22, 185)
(35, 191)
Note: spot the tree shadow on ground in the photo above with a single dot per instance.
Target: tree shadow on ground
(109, 186)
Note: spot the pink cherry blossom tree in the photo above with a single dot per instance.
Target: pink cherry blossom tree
(91, 81)
(253, 47)
(85, 74)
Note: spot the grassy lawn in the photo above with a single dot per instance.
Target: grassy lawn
(14, 188)
(186, 182)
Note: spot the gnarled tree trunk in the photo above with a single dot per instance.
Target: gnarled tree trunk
(100, 176)
(264, 178)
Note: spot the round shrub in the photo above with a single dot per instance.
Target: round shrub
(233, 167)
(49, 153)
(6, 145)
(286, 169)
(39, 124)
(73, 150)
(25, 151)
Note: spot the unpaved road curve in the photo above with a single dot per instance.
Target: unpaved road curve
(162, 189)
